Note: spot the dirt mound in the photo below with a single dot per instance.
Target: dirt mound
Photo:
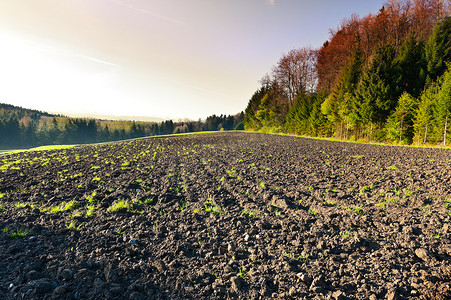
(211, 216)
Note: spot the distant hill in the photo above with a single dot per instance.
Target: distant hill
(25, 128)
(8, 111)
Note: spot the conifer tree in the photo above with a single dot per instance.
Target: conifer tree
(423, 124)
(438, 49)
(442, 109)
(411, 66)
(399, 125)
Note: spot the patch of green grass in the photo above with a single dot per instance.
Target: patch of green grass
(91, 198)
(291, 255)
(392, 168)
(77, 214)
(427, 209)
(21, 204)
(397, 192)
(273, 208)
(251, 213)
(357, 209)
(120, 206)
(52, 147)
(54, 210)
(96, 179)
(381, 205)
(90, 210)
(73, 226)
(182, 205)
(71, 205)
(262, 184)
(346, 234)
(216, 209)
(312, 211)
(231, 171)
(20, 233)
(242, 274)
(448, 204)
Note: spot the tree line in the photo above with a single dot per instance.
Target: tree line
(24, 128)
(383, 77)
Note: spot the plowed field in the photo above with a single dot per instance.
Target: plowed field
(212, 216)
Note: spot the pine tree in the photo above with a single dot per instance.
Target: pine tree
(411, 66)
(340, 101)
(442, 109)
(377, 92)
(438, 49)
(423, 124)
(399, 125)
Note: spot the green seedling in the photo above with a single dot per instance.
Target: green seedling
(251, 213)
(20, 233)
(242, 274)
(70, 206)
(381, 205)
(90, 210)
(291, 255)
(91, 198)
(209, 207)
(357, 209)
(182, 205)
(120, 232)
(427, 209)
(346, 234)
(73, 226)
(312, 211)
(120, 206)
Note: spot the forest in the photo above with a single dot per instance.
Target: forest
(381, 78)
(25, 128)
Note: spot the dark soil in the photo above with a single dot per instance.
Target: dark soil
(212, 216)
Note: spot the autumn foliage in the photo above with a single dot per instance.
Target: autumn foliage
(353, 85)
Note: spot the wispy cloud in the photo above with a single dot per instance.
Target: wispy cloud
(62, 52)
(147, 12)
(98, 60)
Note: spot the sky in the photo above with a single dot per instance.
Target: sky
(143, 59)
